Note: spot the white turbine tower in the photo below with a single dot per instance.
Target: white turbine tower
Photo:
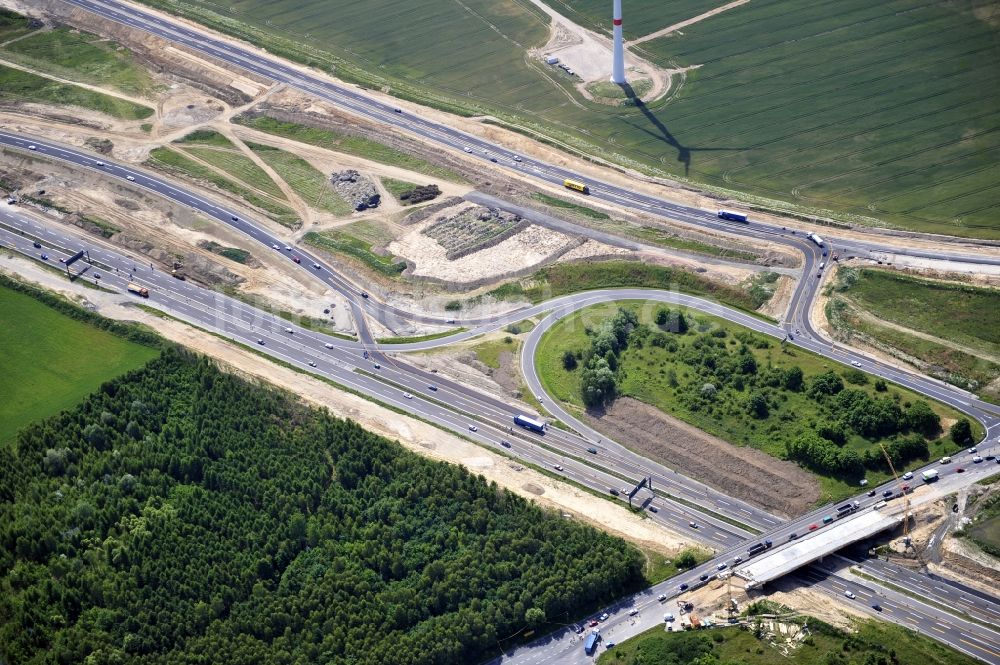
(618, 64)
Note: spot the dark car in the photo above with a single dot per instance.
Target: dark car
(432, 387)
(235, 218)
(877, 607)
(37, 245)
(871, 493)
(887, 494)
(704, 578)
(959, 470)
(592, 451)
(364, 294)
(793, 536)
(296, 259)
(683, 587)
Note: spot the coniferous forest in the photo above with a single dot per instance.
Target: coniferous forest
(183, 515)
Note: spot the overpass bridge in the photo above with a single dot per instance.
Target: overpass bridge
(824, 541)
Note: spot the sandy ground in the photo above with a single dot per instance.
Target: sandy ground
(414, 434)
(745, 473)
(530, 247)
(777, 306)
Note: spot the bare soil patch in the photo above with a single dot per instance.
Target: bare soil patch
(745, 473)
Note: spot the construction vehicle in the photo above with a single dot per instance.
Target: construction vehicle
(177, 273)
(138, 290)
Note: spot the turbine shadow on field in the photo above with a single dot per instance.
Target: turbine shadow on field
(662, 133)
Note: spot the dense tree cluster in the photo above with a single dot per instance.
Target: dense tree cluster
(600, 363)
(828, 428)
(182, 515)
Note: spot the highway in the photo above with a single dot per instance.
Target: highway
(340, 360)
(456, 407)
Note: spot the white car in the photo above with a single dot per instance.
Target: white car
(287, 248)
(662, 597)
(856, 363)
(557, 467)
(693, 525)
(100, 163)
(408, 395)
(276, 247)
(603, 617)
(633, 612)
(908, 475)
(850, 594)
(312, 363)
(260, 341)
(289, 331)
(468, 149)
(32, 147)
(130, 178)
(977, 459)
(317, 266)
(473, 428)
(328, 345)
(517, 158)
(668, 617)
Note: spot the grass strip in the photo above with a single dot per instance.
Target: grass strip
(420, 338)
(22, 86)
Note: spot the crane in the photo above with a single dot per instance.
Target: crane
(906, 498)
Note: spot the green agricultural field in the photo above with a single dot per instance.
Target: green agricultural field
(871, 642)
(171, 161)
(16, 85)
(639, 18)
(81, 56)
(673, 376)
(876, 112)
(351, 145)
(313, 186)
(51, 362)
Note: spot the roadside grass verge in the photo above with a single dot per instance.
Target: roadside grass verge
(351, 145)
(240, 167)
(664, 238)
(81, 56)
(308, 182)
(356, 248)
(918, 304)
(489, 352)
(24, 87)
(564, 278)
(572, 207)
(671, 379)
(45, 369)
(170, 161)
(869, 641)
(420, 338)
(13, 25)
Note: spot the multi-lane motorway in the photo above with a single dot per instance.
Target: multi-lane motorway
(340, 361)
(448, 404)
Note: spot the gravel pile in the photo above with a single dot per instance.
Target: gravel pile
(356, 189)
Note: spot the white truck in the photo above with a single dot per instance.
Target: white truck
(930, 475)
(816, 239)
